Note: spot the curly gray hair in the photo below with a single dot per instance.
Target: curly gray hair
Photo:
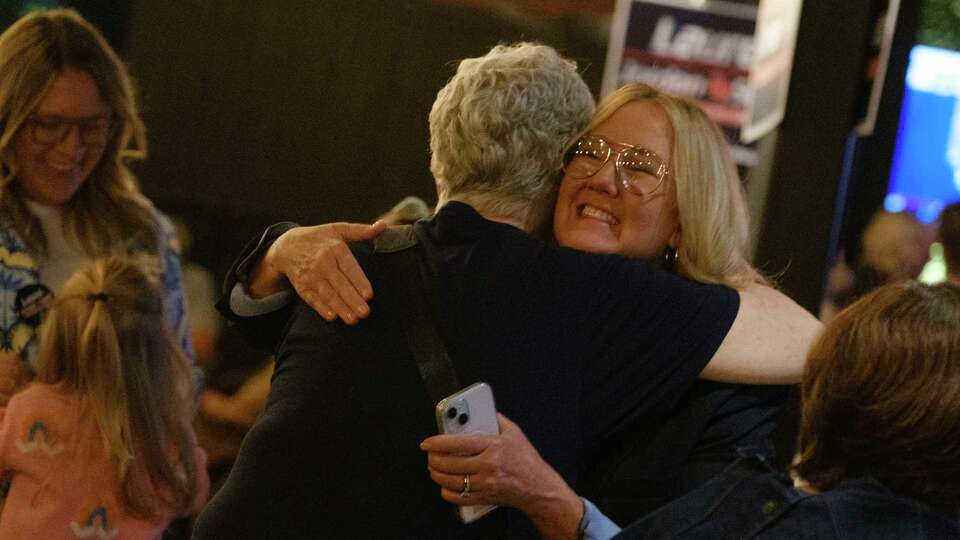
(498, 130)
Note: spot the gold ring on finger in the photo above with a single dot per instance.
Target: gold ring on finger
(466, 487)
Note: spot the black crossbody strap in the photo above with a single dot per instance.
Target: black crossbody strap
(433, 362)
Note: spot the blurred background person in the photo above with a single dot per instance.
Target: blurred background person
(102, 446)
(199, 294)
(878, 452)
(410, 210)
(894, 247)
(949, 235)
(70, 125)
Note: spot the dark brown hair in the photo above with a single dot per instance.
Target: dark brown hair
(881, 395)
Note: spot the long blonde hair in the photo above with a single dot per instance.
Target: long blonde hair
(108, 214)
(106, 340)
(710, 199)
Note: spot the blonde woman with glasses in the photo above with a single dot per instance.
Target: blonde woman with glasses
(651, 178)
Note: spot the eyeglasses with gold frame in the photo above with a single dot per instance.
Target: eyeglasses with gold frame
(638, 169)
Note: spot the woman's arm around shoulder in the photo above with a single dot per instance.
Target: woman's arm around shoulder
(768, 341)
(317, 263)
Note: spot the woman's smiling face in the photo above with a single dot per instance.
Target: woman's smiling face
(51, 172)
(597, 214)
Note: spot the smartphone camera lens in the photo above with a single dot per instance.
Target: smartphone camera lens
(452, 413)
(464, 418)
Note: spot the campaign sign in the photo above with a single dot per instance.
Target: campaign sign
(701, 49)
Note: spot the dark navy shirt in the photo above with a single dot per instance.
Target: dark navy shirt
(578, 348)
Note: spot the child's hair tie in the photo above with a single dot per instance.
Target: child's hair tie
(97, 296)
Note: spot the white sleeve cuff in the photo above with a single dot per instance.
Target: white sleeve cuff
(244, 305)
(595, 525)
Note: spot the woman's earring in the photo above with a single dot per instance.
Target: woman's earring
(669, 259)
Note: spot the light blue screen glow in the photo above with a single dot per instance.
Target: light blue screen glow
(926, 164)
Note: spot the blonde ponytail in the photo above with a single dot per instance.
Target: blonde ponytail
(105, 338)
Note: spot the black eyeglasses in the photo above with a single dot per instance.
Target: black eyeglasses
(47, 130)
(638, 169)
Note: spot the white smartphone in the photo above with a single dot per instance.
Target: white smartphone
(470, 410)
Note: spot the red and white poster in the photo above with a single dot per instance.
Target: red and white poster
(705, 50)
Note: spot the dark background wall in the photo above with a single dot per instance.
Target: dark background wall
(308, 111)
(796, 233)
(111, 16)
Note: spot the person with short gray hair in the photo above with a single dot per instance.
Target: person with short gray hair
(491, 142)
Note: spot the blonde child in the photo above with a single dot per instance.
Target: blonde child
(101, 446)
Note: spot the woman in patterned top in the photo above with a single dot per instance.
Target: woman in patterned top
(68, 126)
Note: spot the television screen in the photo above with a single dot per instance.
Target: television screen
(925, 175)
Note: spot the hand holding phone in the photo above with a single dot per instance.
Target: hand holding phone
(471, 410)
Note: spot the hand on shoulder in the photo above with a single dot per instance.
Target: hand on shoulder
(316, 261)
